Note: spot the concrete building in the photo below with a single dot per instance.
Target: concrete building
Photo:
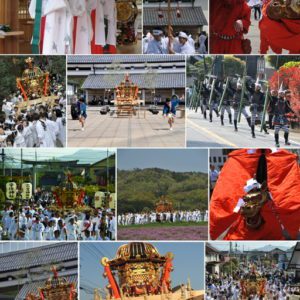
(218, 157)
(154, 74)
(294, 263)
(24, 271)
(213, 259)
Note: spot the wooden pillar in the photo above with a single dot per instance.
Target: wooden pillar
(9, 16)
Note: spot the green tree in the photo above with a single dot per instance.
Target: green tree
(276, 61)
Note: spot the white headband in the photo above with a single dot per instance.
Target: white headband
(157, 32)
(183, 35)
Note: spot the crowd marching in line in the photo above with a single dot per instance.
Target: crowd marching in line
(222, 98)
(128, 219)
(279, 286)
(37, 221)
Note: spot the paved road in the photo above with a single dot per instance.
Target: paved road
(143, 130)
(202, 133)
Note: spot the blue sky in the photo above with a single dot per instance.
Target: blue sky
(179, 160)
(89, 155)
(188, 261)
(251, 245)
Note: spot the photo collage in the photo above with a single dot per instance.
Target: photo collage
(149, 149)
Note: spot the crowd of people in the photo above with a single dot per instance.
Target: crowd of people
(279, 285)
(41, 125)
(128, 219)
(38, 221)
(222, 98)
(157, 42)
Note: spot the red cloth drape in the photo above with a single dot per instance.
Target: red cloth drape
(278, 35)
(284, 186)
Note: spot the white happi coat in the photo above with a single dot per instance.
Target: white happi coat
(59, 23)
(58, 33)
(47, 136)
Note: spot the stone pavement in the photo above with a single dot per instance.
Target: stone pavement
(111, 131)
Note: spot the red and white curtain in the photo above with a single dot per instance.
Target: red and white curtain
(76, 26)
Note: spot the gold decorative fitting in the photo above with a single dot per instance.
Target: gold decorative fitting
(139, 267)
(126, 11)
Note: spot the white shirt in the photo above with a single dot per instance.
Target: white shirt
(155, 47)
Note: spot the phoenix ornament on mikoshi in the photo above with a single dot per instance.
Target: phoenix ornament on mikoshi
(34, 83)
(257, 196)
(140, 270)
(55, 288)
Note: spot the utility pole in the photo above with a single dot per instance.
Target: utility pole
(107, 171)
(3, 155)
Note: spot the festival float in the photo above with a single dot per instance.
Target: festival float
(164, 204)
(34, 86)
(253, 284)
(55, 288)
(68, 196)
(126, 98)
(139, 270)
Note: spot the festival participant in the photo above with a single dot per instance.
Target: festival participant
(236, 103)
(257, 101)
(46, 135)
(226, 104)
(215, 95)
(271, 107)
(169, 110)
(72, 230)
(111, 227)
(280, 121)
(213, 177)
(156, 43)
(183, 44)
(202, 43)
(77, 26)
(19, 141)
(61, 123)
(229, 21)
(82, 109)
(166, 217)
(37, 229)
(40, 223)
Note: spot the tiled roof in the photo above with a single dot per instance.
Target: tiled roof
(32, 287)
(159, 81)
(39, 256)
(98, 59)
(190, 16)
